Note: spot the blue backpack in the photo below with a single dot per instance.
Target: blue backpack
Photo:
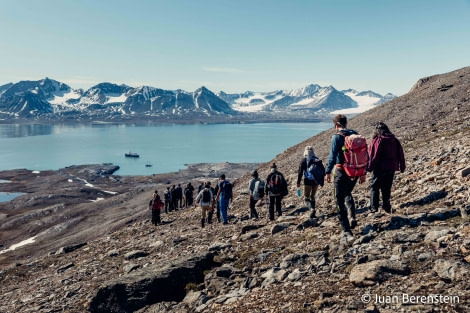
(315, 172)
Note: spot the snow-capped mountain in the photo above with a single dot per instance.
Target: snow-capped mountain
(51, 99)
(312, 98)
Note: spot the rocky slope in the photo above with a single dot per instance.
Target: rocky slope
(294, 264)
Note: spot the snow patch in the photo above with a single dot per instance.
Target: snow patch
(20, 244)
(116, 99)
(61, 99)
(364, 103)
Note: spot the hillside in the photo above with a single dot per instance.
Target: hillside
(294, 264)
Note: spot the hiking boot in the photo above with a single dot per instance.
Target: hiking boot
(352, 223)
(347, 236)
(312, 214)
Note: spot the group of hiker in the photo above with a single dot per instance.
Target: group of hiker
(208, 198)
(350, 158)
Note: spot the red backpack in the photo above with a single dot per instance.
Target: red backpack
(355, 155)
(157, 204)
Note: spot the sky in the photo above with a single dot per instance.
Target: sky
(234, 46)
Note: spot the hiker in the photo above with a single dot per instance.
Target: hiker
(225, 197)
(155, 205)
(216, 202)
(312, 170)
(200, 187)
(276, 188)
(211, 212)
(167, 197)
(386, 157)
(174, 198)
(205, 199)
(343, 184)
(188, 194)
(256, 188)
(179, 196)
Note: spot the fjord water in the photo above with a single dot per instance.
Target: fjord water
(167, 147)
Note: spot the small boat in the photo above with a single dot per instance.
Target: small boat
(132, 155)
(148, 164)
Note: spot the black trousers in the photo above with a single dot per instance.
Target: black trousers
(274, 201)
(253, 212)
(344, 186)
(381, 182)
(156, 216)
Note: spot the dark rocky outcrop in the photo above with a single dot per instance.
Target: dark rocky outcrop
(151, 285)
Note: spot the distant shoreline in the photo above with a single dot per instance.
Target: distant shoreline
(141, 121)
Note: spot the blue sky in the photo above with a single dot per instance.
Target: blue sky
(234, 46)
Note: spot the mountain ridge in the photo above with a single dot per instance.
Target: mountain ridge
(54, 100)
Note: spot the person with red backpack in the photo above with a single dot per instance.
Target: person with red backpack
(156, 205)
(343, 182)
(276, 188)
(386, 157)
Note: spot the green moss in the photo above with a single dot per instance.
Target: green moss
(190, 287)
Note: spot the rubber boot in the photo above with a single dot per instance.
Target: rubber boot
(209, 217)
(202, 222)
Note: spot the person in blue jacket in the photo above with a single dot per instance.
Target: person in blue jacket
(343, 184)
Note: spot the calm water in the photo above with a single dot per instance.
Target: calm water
(167, 147)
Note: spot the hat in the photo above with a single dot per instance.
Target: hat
(308, 152)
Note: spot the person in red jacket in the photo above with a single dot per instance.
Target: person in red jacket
(385, 157)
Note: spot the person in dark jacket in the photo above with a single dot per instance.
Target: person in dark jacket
(179, 196)
(188, 195)
(385, 157)
(343, 184)
(310, 185)
(275, 186)
(167, 197)
(251, 188)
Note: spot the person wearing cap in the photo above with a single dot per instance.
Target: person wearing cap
(251, 187)
(310, 183)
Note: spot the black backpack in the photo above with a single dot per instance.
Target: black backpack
(227, 190)
(167, 195)
(206, 195)
(275, 183)
(188, 193)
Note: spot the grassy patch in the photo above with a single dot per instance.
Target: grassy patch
(190, 287)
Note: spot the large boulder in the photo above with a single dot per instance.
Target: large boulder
(150, 285)
(368, 274)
